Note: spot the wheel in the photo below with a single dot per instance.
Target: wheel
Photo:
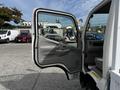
(7, 40)
(16, 40)
(87, 82)
(27, 41)
(82, 80)
(90, 83)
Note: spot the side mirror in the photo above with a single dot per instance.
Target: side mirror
(56, 40)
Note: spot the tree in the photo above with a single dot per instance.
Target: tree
(9, 14)
(16, 15)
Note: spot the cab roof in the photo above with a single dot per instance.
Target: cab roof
(103, 7)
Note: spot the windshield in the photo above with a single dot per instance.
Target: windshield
(97, 26)
(24, 34)
(3, 32)
(98, 23)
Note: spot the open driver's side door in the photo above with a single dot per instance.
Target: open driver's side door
(56, 40)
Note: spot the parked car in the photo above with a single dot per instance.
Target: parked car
(24, 37)
(55, 37)
(8, 35)
(94, 36)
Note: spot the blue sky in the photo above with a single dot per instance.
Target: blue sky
(79, 8)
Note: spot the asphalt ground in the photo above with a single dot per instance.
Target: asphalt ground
(18, 71)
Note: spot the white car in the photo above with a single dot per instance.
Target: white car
(8, 35)
(55, 37)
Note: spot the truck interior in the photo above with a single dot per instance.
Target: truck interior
(94, 38)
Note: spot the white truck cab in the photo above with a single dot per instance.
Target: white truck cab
(8, 35)
(95, 55)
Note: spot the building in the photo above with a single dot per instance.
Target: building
(26, 23)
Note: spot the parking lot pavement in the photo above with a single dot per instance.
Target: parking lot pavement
(18, 71)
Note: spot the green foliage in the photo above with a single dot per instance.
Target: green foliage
(8, 26)
(9, 14)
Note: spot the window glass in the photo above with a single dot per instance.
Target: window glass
(97, 26)
(58, 28)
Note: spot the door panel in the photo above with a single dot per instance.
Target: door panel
(53, 53)
(56, 39)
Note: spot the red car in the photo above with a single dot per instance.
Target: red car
(24, 37)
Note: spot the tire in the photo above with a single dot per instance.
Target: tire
(90, 83)
(30, 41)
(16, 41)
(27, 41)
(82, 80)
(7, 40)
(87, 82)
